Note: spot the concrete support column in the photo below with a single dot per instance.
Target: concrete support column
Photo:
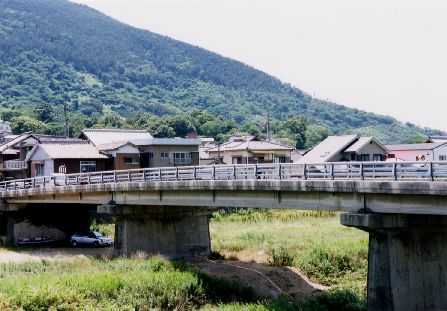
(407, 262)
(170, 231)
(7, 236)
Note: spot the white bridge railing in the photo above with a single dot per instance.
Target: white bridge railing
(395, 171)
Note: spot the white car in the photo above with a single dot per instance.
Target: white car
(93, 238)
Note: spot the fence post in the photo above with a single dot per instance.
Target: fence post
(114, 176)
(159, 174)
(395, 171)
(432, 177)
(362, 173)
(332, 170)
(144, 175)
(194, 172)
(129, 176)
(280, 171)
(256, 171)
(176, 173)
(102, 178)
(305, 171)
(214, 172)
(234, 172)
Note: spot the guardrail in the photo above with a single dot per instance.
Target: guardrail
(396, 171)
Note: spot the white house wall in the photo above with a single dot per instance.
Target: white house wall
(440, 151)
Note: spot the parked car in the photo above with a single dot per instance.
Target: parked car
(92, 238)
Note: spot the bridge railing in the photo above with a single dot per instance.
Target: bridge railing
(396, 171)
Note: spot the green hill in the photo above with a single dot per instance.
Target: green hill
(54, 51)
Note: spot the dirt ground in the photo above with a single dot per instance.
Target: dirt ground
(52, 253)
(267, 281)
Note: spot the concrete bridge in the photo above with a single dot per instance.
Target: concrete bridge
(403, 206)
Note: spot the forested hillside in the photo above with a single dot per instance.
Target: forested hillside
(54, 51)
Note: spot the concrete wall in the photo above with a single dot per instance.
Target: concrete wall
(26, 230)
(172, 232)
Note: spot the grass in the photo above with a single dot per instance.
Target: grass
(139, 284)
(121, 284)
(315, 242)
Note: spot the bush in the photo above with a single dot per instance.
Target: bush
(282, 257)
(327, 266)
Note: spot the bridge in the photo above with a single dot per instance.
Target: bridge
(403, 206)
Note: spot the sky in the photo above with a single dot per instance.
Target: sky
(382, 56)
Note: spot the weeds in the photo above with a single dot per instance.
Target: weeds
(282, 257)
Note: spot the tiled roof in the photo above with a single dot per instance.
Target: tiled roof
(14, 141)
(251, 145)
(423, 146)
(11, 151)
(327, 149)
(167, 142)
(362, 142)
(111, 146)
(73, 150)
(108, 136)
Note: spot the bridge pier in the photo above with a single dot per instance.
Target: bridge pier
(407, 264)
(7, 236)
(172, 231)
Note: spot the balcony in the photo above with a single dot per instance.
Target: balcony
(14, 165)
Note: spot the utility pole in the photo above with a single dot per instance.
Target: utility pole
(268, 127)
(67, 128)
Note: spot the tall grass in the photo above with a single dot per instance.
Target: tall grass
(121, 284)
(314, 242)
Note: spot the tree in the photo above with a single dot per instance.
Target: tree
(44, 112)
(164, 130)
(297, 127)
(315, 134)
(180, 124)
(23, 124)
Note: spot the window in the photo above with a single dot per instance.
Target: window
(164, 155)
(280, 159)
(378, 157)
(88, 166)
(180, 158)
(363, 157)
(132, 161)
(39, 169)
(442, 158)
(237, 160)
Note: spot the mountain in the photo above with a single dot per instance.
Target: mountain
(55, 51)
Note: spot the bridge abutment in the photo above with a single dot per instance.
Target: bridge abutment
(171, 231)
(407, 266)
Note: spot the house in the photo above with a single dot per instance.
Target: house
(346, 148)
(248, 150)
(436, 139)
(123, 155)
(14, 153)
(138, 149)
(70, 156)
(436, 151)
(164, 152)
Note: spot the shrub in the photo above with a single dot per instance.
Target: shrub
(282, 257)
(327, 266)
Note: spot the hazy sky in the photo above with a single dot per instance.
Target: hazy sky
(383, 56)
